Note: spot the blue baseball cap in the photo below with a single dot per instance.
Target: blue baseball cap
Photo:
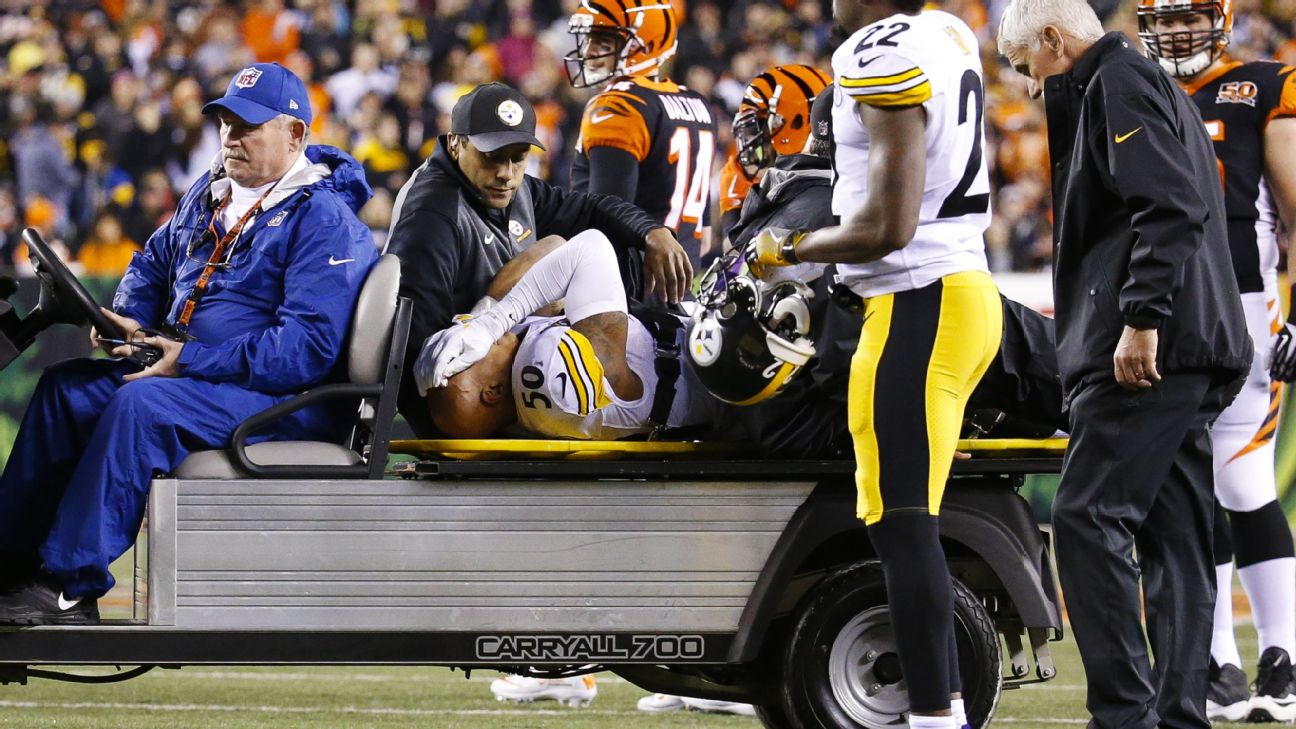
(262, 92)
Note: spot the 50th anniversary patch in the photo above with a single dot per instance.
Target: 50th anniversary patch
(592, 647)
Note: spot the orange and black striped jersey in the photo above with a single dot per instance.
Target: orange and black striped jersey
(1237, 101)
(670, 130)
(734, 184)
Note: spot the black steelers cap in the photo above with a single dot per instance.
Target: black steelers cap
(494, 115)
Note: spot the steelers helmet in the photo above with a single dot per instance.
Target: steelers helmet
(748, 338)
(644, 32)
(1186, 53)
(774, 116)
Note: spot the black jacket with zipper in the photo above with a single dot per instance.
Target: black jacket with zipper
(1140, 236)
(451, 245)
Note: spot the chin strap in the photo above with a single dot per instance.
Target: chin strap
(665, 329)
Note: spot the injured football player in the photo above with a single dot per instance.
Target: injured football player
(596, 372)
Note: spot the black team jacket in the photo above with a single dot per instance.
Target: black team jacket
(1139, 237)
(451, 245)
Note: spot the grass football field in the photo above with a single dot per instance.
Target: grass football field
(428, 698)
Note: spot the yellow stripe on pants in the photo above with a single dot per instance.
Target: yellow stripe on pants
(966, 340)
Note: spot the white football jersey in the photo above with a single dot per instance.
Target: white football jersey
(905, 60)
(560, 390)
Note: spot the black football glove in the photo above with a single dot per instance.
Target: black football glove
(1282, 363)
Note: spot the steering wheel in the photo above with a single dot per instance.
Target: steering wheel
(63, 298)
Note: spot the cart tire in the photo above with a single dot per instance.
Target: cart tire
(842, 670)
(772, 716)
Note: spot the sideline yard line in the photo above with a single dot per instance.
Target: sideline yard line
(180, 708)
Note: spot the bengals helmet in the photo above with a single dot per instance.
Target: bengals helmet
(1185, 53)
(774, 116)
(643, 34)
(748, 338)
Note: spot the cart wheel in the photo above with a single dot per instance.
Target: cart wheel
(843, 670)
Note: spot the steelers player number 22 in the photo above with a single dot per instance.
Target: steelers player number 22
(959, 202)
(689, 200)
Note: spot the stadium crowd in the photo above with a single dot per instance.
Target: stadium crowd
(103, 125)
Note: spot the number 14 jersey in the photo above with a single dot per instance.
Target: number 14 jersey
(670, 131)
(929, 59)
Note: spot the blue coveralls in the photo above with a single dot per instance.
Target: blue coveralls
(273, 324)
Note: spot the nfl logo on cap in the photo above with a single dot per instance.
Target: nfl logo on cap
(247, 78)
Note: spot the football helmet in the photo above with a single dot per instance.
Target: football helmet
(642, 32)
(774, 116)
(748, 338)
(1185, 53)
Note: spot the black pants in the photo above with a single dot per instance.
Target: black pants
(1139, 474)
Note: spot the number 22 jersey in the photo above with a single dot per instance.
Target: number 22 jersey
(929, 59)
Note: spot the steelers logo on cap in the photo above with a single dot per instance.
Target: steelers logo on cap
(509, 112)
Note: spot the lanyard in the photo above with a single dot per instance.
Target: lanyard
(200, 288)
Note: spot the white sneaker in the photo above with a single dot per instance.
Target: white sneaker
(660, 703)
(575, 691)
(713, 706)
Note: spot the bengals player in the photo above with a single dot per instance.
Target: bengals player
(773, 120)
(1250, 111)
(643, 137)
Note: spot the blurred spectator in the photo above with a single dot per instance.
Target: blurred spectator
(195, 138)
(270, 31)
(114, 116)
(414, 111)
(385, 160)
(148, 143)
(517, 50)
(377, 215)
(321, 103)
(456, 26)
(363, 77)
(41, 215)
(119, 87)
(107, 250)
(221, 51)
(325, 40)
(41, 162)
(154, 202)
(102, 183)
(10, 226)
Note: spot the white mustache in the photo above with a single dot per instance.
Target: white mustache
(236, 155)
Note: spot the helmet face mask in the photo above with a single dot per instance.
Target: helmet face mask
(645, 37)
(748, 338)
(590, 65)
(751, 130)
(1199, 33)
(774, 116)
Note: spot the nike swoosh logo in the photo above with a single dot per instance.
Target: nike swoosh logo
(490, 238)
(65, 604)
(334, 262)
(1122, 137)
(596, 118)
(862, 64)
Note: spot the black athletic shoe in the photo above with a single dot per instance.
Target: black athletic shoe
(1227, 695)
(41, 602)
(1275, 688)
